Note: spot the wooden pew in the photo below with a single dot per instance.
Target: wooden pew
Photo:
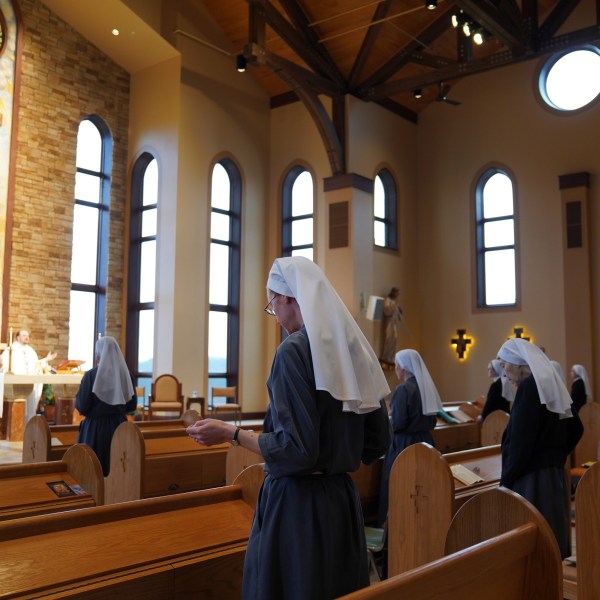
(498, 547)
(582, 582)
(43, 442)
(147, 463)
(449, 437)
(189, 545)
(588, 446)
(24, 489)
(493, 427)
(424, 496)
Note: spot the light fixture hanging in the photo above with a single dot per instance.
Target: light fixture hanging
(430, 4)
(418, 93)
(240, 63)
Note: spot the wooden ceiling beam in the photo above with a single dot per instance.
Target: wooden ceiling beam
(298, 17)
(368, 42)
(433, 61)
(496, 21)
(261, 57)
(438, 27)
(306, 51)
(588, 35)
(557, 17)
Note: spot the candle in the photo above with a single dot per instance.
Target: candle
(11, 336)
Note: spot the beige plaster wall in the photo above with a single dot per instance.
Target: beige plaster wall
(500, 121)
(218, 113)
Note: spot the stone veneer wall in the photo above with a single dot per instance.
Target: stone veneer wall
(64, 78)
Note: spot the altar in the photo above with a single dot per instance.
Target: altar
(15, 390)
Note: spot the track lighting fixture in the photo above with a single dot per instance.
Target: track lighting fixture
(480, 36)
(430, 4)
(240, 63)
(418, 93)
(469, 27)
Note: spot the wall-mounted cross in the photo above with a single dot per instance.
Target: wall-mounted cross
(460, 343)
(518, 331)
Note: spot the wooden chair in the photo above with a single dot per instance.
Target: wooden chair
(165, 397)
(227, 393)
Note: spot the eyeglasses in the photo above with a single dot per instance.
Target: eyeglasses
(269, 307)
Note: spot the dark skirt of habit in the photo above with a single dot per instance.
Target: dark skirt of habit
(312, 546)
(547, 490)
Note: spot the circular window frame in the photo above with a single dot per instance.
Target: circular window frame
(542, 75)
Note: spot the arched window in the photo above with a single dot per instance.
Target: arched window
(385, 224)
(495, 238)
(224, 283)
(141, 281)
(90, 239)
(297, 233)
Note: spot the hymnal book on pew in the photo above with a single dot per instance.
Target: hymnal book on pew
(462, 417)
(464, 475)
(60, 488)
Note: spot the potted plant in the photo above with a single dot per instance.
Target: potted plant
(48, 402)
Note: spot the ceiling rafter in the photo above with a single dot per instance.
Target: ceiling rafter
(426, 37)
(296, 41)
(587, 35)
(368, 42)
(259, 56)
(297, 14)
(496, 21)
(557, 17)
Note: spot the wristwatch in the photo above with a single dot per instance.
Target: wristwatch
(234, 441)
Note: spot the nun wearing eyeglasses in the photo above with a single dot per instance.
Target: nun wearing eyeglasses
(326, 415)
(580, 386)
(413, 408)
(541, 433)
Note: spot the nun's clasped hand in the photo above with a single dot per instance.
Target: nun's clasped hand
(210, 432)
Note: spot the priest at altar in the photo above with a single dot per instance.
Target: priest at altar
(21, 359)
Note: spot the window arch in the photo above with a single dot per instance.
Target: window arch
(224, 275)
(385, 225)
(87, 314)
(141, 280)
(495, 239)
(297, 227)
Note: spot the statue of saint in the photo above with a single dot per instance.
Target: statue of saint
(392, 314)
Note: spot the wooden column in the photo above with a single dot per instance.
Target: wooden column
(574, 189)
(349, 254)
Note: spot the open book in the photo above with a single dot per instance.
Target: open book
(461, 416)
(464, 475)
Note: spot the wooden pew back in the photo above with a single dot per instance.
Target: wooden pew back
(587, 500)
(499, 548)
(150, 463)
(424, 495)
(587, 448)
(454, 437)
(493, 427)
(43, 442)
(189, 545)
(24, 489)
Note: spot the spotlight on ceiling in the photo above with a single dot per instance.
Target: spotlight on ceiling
(430, 4)
(480, 36)
(459, 19)
(240, 63)
(418, 93)
(467, 28)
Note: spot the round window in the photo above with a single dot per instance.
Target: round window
(571, 80)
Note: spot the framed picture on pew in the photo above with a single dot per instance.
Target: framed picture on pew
(60, 488)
